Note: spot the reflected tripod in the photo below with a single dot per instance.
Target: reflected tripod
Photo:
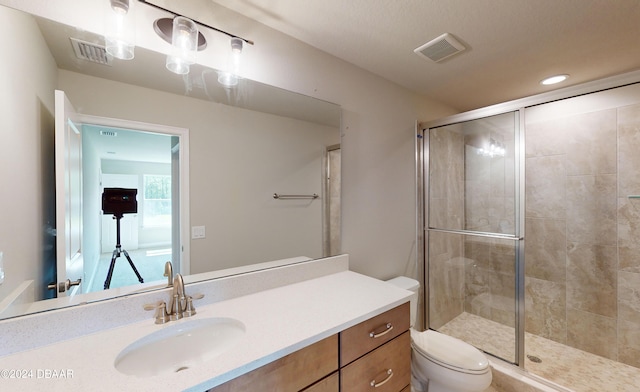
(116, 254)
(119, 201)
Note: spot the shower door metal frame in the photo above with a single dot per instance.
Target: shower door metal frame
(422, 155)
(422, 220)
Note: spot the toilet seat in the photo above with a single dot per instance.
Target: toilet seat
(449, 352)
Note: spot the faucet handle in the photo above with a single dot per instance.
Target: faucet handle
(190, 310)
(161, 311)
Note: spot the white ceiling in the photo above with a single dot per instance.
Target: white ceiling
(511, 44)
(127, 145)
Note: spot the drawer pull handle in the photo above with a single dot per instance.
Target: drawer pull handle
(375, 335)
(381, 383)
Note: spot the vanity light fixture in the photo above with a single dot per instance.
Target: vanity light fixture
(554, 79)
(120, 31)
(186, 39)
(184, 44)
(230, 76)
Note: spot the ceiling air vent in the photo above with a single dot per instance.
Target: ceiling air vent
(91, 52)
(440, 48)
(109, 133)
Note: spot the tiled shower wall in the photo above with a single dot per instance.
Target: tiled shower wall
(583, 232)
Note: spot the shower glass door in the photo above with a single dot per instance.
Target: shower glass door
(473, 232)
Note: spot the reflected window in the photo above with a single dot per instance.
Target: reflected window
(157, 201)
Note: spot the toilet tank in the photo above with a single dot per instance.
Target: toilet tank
(412, 285)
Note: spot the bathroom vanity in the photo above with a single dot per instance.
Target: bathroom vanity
(314, 326)
(375, 353)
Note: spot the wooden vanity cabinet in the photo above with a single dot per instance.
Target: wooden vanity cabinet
(291, 373)
(372, 355)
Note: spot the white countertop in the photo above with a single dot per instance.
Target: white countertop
(278, 322)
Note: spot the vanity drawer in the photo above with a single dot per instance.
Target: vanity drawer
(327, 384)
(390, 362)
(292, 373)
(366, 336)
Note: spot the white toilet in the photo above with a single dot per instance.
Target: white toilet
(441, 363)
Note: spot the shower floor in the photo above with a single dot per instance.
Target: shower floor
(563, 365)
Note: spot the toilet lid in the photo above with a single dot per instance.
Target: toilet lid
(449, 351)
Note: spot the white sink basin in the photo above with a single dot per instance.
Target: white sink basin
(180, 346)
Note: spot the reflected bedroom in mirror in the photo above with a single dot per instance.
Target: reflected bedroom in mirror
(226, 177)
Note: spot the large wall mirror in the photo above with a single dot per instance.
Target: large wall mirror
(211, 168)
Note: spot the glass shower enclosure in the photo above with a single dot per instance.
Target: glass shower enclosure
(559, 173)
(473, 232)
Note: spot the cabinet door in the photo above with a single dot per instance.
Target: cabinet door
(292, 373)
(386, 369)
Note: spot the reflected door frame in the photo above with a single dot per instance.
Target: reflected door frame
(184, 264)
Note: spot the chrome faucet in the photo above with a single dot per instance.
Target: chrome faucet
(168, 272)
(180, 305)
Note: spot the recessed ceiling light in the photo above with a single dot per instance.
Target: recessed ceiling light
(554, 79)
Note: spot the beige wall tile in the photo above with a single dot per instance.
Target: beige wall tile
(503, 256)
(546, 138)
(591, 278)
(629, 259)
(629, 222)
(629, 343)
(545, 302)
(477, 206)
(445, 291)
(490, 279)
(628, 147)
(591, 143)
(545, 249)
(592, 333)
(446, 163)
(591, 209)
(446, 278)
(478, 299)
(545, 187)
(629, 296)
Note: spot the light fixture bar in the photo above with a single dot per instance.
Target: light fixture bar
(199, 23)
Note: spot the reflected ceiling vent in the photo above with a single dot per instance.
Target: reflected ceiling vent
(109, 133)
(440, 48)
(91, 52)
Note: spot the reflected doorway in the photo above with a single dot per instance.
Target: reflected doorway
(149, 162)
